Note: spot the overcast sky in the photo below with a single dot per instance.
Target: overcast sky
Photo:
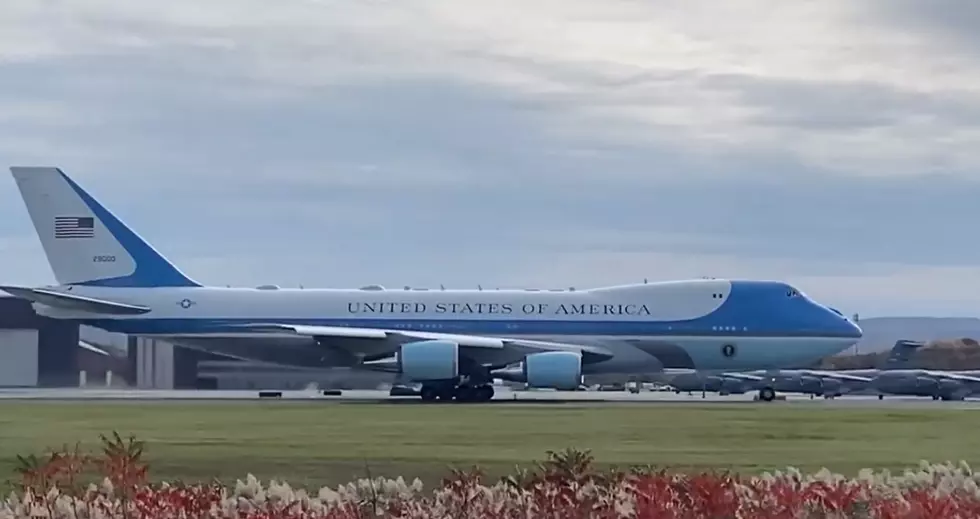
(549, 143)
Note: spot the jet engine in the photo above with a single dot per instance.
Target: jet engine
(951, 389)
(928, 384)
(429, 360)
(730, 386)
(832, 387)
(554, 370)
(811, 384)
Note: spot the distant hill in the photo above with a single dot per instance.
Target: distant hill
(880, 333)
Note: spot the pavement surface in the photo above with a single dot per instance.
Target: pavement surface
(502, 396)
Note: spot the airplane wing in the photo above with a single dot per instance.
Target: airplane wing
(845, 377)
(496, 351)
(743, 376)
(959, 377)
(67, 301)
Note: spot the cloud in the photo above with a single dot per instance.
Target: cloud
(552, 143)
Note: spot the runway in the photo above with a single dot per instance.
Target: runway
(502, 396)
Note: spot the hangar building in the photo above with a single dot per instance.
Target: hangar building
(37, 351)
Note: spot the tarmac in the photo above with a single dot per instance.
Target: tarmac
(502, 396)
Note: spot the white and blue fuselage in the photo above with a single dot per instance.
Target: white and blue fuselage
(703, 324)
(112, 279)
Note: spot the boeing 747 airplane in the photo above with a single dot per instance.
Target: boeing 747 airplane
(453, 342)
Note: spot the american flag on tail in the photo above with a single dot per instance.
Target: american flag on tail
(74, 227)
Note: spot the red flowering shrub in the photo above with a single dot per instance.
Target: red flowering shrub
(113, 484)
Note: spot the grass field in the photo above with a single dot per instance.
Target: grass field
(317, 443)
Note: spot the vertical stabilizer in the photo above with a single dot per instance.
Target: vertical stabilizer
(84, 242)
(902, 353)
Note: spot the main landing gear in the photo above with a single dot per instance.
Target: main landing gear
(460, 393)
(767, 394)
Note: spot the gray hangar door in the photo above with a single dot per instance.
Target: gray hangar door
(18, 358)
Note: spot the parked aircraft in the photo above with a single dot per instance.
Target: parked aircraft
(834, 383)
(451, 341)
(724, 383)
(938, 384)
(826, 383)
(894, 378)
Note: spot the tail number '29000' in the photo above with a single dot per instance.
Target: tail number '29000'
(103, 259)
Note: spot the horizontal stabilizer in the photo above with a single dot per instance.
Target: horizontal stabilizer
(93, 348)
(74, 302)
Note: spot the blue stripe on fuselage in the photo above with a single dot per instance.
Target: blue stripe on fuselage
(458, 326)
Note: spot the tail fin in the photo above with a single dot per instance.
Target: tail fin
(84, 242)
(902, 353)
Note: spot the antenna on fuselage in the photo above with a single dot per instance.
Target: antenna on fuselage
(644, 281)
(441, 286)
(479, 287)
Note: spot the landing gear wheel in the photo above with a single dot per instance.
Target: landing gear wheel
(767, 394)
(428, 394)
(465, 394)
(447, 393)
(484, 393)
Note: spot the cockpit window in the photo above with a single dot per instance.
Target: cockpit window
(792, 292)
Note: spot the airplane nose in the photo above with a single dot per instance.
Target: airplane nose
(855, 331)
(848, 328)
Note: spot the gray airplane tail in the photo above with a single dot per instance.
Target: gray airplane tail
(85, 243)
(902, 353)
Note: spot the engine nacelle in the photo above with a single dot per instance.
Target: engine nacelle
(713, 383)
(951, 388)
(554, 370)
(832, 386)
(732, 386)
(429, 360)
(927, 383)
(812, 384)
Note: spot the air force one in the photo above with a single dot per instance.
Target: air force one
(453, 342)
